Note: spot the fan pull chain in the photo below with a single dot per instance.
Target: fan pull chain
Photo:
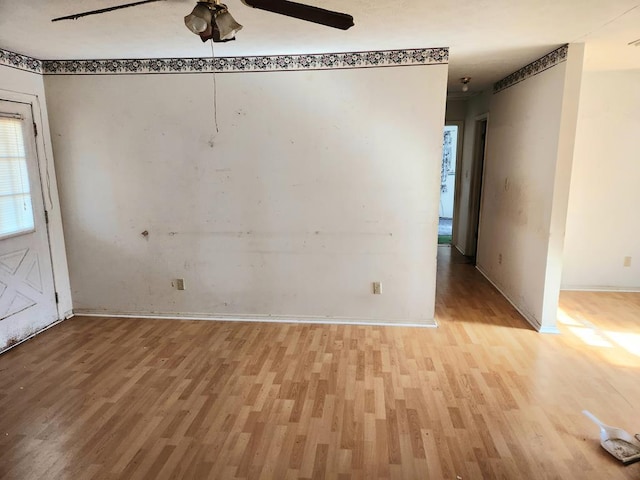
(215, 91)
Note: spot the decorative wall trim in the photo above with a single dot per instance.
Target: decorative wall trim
(328, 61)
(543, 63)
(272, 63)
(21, 62)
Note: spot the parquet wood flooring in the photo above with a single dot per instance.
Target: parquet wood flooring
(482, 396)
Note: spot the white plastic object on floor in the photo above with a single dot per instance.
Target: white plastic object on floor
(616, 441)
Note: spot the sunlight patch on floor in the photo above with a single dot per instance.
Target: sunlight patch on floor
(590, 337)
(593, 336)
(629, 341)
(565, 319)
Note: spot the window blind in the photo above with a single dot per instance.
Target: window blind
(16, 211)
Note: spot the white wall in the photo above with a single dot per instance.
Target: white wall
(463, 232)
(526, 182)
(603, 224)
(20, 85)
(317, 184)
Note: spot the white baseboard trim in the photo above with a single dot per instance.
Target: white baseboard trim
(598, 288)
(532, 321)
(552, 330)
(259, 318)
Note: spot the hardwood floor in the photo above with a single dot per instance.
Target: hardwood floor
(483, 396)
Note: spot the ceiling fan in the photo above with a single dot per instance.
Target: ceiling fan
(211, 19)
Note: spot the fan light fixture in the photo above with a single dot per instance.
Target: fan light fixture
(465, 83)
(212, 20)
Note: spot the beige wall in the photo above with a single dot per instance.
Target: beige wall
(603, 225)
(316, 185)
(456, 110)
(526, 182)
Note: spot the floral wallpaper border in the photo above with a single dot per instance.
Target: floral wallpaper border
(376, 58)
(21, 62)
(551, 59)
(423, 56)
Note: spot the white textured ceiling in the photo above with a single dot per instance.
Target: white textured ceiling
(488, 39)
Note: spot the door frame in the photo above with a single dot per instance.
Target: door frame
(456, 180)
(476, 190)
(46, 176)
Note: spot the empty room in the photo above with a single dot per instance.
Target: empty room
(222, 251)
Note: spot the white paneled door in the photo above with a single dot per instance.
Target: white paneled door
(27, 292)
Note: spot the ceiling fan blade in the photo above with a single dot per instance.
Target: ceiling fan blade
(309, 13)
(103, 10)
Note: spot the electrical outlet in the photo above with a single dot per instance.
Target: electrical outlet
(377, 288)
(627, 261)
(179, 283)
(499, 259)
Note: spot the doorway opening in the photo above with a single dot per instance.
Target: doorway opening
(451, 143)
(475, 187)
